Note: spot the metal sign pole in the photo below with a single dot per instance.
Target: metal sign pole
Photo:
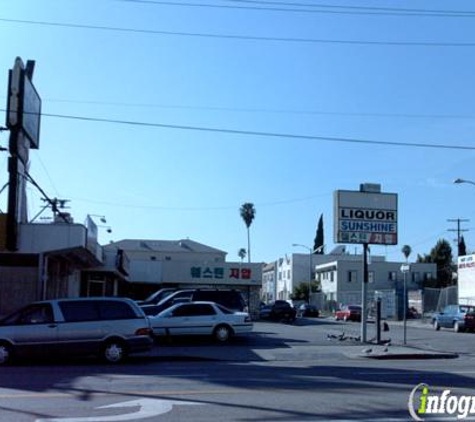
(405, 268)
(364, 293)
(405, 308)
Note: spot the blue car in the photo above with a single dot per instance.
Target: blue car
(457, 317)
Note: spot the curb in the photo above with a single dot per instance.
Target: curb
(410, 356)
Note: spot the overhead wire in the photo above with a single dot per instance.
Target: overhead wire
(314, 8)
(217, 208)
(239, 37)
(262, 134)
(423, 12)
(262, 110)
(47, 173)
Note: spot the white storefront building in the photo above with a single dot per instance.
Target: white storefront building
(153, 264)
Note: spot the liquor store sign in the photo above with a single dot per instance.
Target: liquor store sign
(365, 217)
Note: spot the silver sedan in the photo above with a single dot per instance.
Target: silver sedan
(201, 318)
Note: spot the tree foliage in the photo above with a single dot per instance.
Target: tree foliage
(242, 253)
(406, 251)
(248, 213)
(462, 248)
(301, 291)
(441, 255)
(318, 244)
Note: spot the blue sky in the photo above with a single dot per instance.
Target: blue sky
(167, 183)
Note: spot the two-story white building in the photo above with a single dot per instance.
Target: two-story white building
(283, 275)
(341, 281)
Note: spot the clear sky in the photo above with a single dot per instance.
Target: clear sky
(334, 72)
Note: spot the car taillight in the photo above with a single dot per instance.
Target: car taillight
(143, 332)
(247, 319)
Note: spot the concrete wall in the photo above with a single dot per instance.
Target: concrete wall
(37, 238)
(18, 287)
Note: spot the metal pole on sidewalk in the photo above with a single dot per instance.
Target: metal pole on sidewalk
(405, 268)
(378, 320)
(364, 293)
(405, 308)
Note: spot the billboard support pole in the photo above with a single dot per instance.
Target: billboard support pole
(364, 294)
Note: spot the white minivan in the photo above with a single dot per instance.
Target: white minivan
(108, 327)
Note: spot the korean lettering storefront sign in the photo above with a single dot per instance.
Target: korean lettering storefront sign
(220, 273)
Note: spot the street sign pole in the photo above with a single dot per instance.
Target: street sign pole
(364, 294)
(405, 268)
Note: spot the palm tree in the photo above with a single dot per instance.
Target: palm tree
(248, 212)
(406, 251)
(242, 253)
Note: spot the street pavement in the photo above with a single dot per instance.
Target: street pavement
(312, 370)
(310, 340)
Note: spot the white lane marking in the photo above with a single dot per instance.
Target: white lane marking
(148, 408)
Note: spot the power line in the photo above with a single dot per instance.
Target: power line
(398, 10)
(239, 37)
(262, 110)
(47, 173)
(257, 133)
(315, 8)
(217, 208)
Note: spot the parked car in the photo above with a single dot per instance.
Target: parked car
(348, 313)
(457, 317)
(179, 296)
(306, 310)
(231, 299)
(157, 296)
(108, 327)
(201, 318)
(277, 311)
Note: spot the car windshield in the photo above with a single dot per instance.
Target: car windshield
(224, 310)
(467, 309)
(159, 295)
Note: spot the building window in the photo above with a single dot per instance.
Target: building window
(371, 277)
(153, 258)
(415, 277)
(351, 276)
(392, 276)
(280, 275)
(427, 276)
(168, 258)
(288, 274)
(332, 276)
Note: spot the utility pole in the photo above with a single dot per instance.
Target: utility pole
(459, 230)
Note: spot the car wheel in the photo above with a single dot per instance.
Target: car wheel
(457, 328)
(222, 333)
(6, 353)
(436, 325)
(114, 351)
